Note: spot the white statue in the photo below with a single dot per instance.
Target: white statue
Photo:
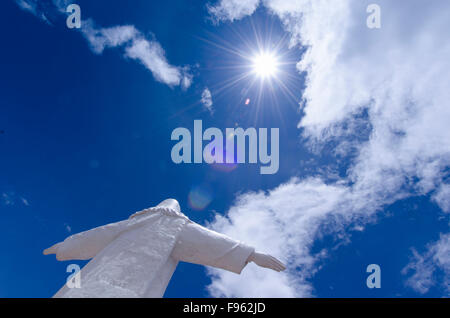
(137, 257)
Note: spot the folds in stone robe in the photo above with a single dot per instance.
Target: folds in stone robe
(137, 257)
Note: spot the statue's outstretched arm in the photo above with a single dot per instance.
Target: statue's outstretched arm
(86, 245)
(267, 261)
(199, 245)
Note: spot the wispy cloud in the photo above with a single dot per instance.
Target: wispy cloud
(10, 198)
(284, 223)
(232, 9)
(27, 5)
(101, 38)
(32, 7)
(68, 227)
(389, 75)
(423, 269)
(7, 199)
(206, 100)
(135, 45)
(442, 197)
(151, 55)
(25, 202)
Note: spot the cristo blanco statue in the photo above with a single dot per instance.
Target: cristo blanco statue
(137, 257)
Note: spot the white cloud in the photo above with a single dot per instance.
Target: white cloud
(148, 52)
(25, 202)
(283, 223)
(206, 99)
(424, 267)
(32, 7)
(10, 198)
(101, 38)
(136, 46)
(151, 55)
(232, 9)
(27, 5)
(442, 197)
(398, 75)
(6, 199)
(187, 79)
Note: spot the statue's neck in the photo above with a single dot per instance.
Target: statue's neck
(162, 210)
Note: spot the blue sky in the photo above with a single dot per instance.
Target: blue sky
(86, 141)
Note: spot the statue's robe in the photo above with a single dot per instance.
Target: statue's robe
(137, 257)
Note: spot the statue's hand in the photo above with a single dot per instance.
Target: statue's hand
(266, 261)
(52, 250)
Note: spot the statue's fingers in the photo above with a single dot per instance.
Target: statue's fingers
(274, 265)
(279, 263)
(280, 266)
(51, 250)
(267, 263)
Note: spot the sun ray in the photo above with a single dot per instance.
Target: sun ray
(256, 63)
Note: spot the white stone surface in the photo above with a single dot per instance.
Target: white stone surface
(137, 257)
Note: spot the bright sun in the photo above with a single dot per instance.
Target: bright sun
(265, 65)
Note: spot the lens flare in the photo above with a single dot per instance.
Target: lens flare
(230, 162)
(224, 167)
(199, 198)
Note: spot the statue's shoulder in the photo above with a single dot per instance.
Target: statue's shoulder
(138, 213)
(158, 210)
